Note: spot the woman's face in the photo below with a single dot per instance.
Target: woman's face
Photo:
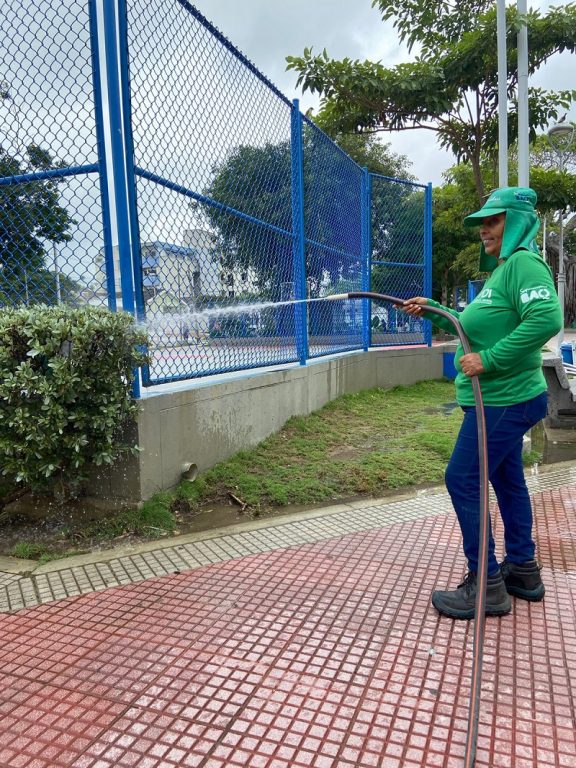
(491, 232)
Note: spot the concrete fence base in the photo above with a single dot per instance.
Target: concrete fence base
(205, 422)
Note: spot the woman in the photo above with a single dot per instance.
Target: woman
(507, 323)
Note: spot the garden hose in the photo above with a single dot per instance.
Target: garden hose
(481, 577)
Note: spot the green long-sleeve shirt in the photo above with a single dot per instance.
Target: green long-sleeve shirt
(507, 323)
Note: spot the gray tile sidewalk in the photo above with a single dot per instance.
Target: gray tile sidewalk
(24, 584)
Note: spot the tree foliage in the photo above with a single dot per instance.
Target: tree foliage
(31, 215)
(455, 248)
(257, 182)
(451, 87)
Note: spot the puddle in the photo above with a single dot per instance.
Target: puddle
(554, 445)
(446, 409)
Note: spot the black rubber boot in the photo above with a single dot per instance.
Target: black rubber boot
(523, 580)
(461, 603)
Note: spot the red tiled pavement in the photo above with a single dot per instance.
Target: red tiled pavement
(317, 656)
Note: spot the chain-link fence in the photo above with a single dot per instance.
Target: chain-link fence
(51, 218)
(400, 257)
(205, 202)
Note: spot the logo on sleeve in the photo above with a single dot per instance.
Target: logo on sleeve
(539, 292)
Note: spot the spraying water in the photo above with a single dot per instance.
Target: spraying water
(160, 324)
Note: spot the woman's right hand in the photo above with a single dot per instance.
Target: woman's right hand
(413, 306)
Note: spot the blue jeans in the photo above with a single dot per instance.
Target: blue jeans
(505, 428)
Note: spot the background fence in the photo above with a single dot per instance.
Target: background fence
(205, 203)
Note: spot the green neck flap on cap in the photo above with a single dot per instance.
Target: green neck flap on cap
(521, 225)
(519, 233)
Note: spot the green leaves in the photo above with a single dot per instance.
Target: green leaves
(431, 25)
(59, 413)
(30, 214)
(451, 87)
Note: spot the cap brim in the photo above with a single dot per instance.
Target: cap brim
(474, 219)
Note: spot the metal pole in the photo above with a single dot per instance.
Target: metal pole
(98, 61)
(502, 96)
(523, 124)
(561, 273)
(120, 185)
(365, 248)
(129, 160)
(428, 256)
(298, 246)
(560, 137)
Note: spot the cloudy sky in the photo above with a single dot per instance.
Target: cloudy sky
(267, 31)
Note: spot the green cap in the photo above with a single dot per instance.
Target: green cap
(522, 222)
(521, 199)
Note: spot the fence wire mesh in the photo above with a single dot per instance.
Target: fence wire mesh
(235, 205)
(333, 242)
(399, 265)
(51, 230)
(219, 243)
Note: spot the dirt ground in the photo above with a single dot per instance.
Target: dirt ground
(63, 529)
(60, 529)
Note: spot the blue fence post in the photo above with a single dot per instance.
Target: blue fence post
(96, 47)
(120, 180)
(129, 155)
(298, 250)
(366, 248)
(428, 256)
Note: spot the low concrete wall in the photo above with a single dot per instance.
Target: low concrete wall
(208, 422)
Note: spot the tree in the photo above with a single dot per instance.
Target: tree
(30, 217)
(369, 152)
(451, 88)
(257, 181)
(455, 247)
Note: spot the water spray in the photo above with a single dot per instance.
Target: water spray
(481, 577)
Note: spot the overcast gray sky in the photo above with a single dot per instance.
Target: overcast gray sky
(267, 31)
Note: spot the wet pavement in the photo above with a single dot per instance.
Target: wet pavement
(307, 642)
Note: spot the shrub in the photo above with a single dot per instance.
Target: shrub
(65, 392)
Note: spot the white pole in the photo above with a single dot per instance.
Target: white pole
(561, 272)
(502, 96)
(560, 137)
(523, 126)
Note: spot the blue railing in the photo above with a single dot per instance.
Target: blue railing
(170, 178)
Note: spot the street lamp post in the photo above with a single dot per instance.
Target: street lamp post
(560, 137)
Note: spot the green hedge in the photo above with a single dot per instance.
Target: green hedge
(65, 392)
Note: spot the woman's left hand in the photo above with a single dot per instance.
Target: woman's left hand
(471, 364)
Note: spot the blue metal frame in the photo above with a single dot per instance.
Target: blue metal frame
(101, 148)
(207, 200)
(400, 181)
(129, 156)
(119, 177)
(298, 249)
(55, 173)
(366, 250)
(119, 171)
(232, 48)
(428, 256)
